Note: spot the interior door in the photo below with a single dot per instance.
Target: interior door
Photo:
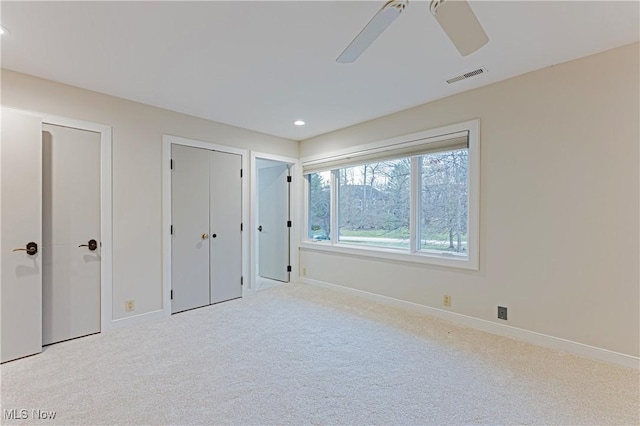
(20, 228)
(225, 226)
(190, 217)
(273, 214)
(70, 233)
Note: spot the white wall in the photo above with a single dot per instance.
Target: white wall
(137, 176)
(559, 225)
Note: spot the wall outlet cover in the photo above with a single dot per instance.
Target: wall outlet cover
(446, 301)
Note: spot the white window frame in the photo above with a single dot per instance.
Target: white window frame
(470, 262)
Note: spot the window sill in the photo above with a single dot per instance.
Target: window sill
(450, 261)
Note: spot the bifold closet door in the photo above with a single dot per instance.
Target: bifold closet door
(190, 222)
(70, 233)
(21, 235)
(225, 224)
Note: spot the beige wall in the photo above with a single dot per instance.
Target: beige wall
(559, 196)
(559, 225)
(137, 178)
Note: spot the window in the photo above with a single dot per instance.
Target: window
(412, 199)
(374, 204)
(444, 194)
(319, 206)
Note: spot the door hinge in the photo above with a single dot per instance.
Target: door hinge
(288, 268)
(171, 294)
(171, 229)
(171, 164)
(289, 179)
(241, 228)
(240, 172)
(288, 224)
(241, 280)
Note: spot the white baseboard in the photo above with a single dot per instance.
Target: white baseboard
(539, 339)
(136, 320)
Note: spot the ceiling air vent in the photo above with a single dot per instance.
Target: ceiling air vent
(481, 70)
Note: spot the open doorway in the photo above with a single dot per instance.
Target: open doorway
(272, 222)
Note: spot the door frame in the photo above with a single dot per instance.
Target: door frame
(167, 141)
(294, 214)
(106, 212)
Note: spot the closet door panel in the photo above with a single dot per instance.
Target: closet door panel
(190, 217)
(225, 220)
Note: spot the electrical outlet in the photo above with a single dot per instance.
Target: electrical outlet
(304, 271)
(130, 305)
(446, 301)
(502, 313)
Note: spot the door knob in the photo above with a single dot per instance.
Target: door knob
(205, 236)
(92, 244)
(260, 228)
(31, 248)
(214, 235)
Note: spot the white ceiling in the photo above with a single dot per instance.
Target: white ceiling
(262, 65)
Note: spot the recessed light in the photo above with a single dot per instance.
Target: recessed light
(299, 123)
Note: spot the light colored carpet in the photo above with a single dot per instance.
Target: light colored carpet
(298, 354)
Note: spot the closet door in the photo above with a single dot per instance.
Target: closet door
(20, 235)
(225, 222)
(71, 233)
(190, 217)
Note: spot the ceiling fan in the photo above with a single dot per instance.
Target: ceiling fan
(454, 16)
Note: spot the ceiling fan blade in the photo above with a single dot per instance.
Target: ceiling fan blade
(461, 25)
(376, 26)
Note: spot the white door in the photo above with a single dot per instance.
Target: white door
(190, 217)
(70, 233)
(273, 214)
(225, 226)
(20, 226)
